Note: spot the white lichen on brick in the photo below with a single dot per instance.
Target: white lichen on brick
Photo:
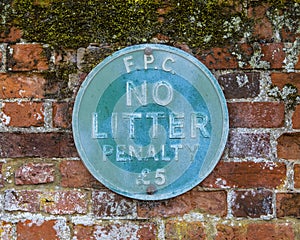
(4, 119)
(62, 229)
(292, 51)
(255, 60)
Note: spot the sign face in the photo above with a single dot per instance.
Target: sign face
(150, 122)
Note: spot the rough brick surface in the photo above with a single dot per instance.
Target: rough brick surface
(1, 176)
(274, 54)
(297, 175)
(289, 146)
(108, 204)
(13, 35)
(21, 85)
(254, 203)
(254, 231)
(37, 230)
(296, 118)
(62, 115)
(24, 114)
(37, 145)
(218, 58)
(74, 174)
(280, 79)
(129, 230)
(246, 175)
(27, 57)
(249, 145)
(288, 204)
(240, 85)
(185, 230)
(23, 200)
(35, 173)
(256, 114)
(64, 202)
(206, 202)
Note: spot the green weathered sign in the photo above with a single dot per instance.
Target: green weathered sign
(150, 122)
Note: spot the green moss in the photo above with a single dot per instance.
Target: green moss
(74, 23)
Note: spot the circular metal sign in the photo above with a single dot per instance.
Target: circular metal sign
(150, 122)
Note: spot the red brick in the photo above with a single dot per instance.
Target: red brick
(255, 231)
(23, 200)
(274, 54)
(208, 202)
(6, 230)
(28, 57)
(34, 173)
(256, 114)
(252, 203)
(1, 175)
(62, 115)
(13, 35)
(297, 176)
(249, 145)
(296, 118)
(24, 114)
(288, 205)
(218, 58)
(129, 230)
(230, 232)
(246, 175)
(37, 145)
(108, 204)
(21, 85)
(240, 85)
(184, 230)
(288, 146)
(262, 28)
(281, 79)
(270, 231)
(35, 231)
(64, 202)
(74, 174)
(297, 65)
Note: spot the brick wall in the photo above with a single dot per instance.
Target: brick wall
(253, 193)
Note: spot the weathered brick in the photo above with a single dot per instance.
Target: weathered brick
(288, 205)
(240, 85)
(252, 203)
(1, 175)
(184, 230)
(274, 54)
(24, 114)
(249, 145)
(37, 145)
(28, 57)
(230, 232)
(62, 114)
(262, 28)
(288, 146)
(108, 204)
(256, 114)
(246, 175)
(209, 202)
(296, 118)
(74, 174)
(218, 58)
(280, 79)
(23, 200)
(13, 35)
(270, 231)
(254, 231)
(64, 202)
(6, 230)
(19, 85)
(297, 176)
(29, 229)
(34, 173)
(129, 230)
